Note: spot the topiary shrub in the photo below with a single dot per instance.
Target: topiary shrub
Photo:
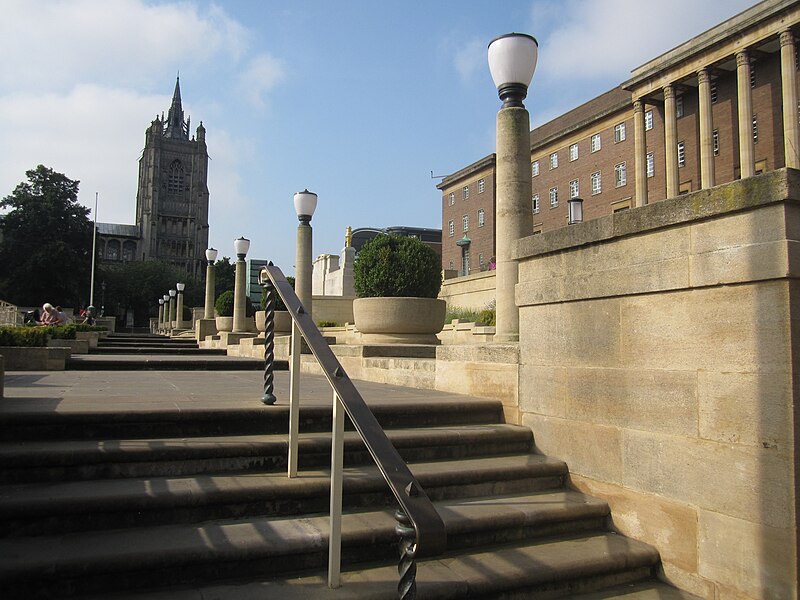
(62, 332)
(397, 266)
(30, 337)
(224, 305)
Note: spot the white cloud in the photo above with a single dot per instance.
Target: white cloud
(260, 76)
(470, 58)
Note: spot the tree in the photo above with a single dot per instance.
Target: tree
(45, 242)
(224, 276)
(138, 285)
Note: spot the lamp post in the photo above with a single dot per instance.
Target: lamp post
(512, 61)
(172, 294)
(179, 311)
(103, 299)
(305, 203)
(208, 309)
(160, 312)
(240, 246)
(166, 312)
(574, 211)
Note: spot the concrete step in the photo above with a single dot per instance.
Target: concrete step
(36, 509)
(166, 362)
(171, 421)
(180, 554)
(71, 460)
(174, 350)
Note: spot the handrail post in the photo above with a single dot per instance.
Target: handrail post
(294, 400)
(269, 343)
(407, 567)
(337, 465)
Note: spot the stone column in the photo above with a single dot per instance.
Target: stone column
(179, 311)
(671, 141)
(161, 314)
(706, 130)
(171, 312)
(513, 217)
(303, 272)
(791, 139)
(745, 100)
(208, 308)
(640, 151)
(239, 294)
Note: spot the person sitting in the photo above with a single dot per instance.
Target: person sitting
(61, 317)
(49, 315)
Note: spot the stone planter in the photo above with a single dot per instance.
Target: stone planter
(224, 323)
(283, 322)
(399, 320)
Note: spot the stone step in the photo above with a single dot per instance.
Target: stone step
(70, 460)
(181, 554)
(36, 509)
(170, 421)
(174, 350)
(167, 362)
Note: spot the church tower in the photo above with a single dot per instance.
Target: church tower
(172, 199)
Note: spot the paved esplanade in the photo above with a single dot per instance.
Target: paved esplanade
(110, 391)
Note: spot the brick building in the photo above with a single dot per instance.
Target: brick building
(721, 106)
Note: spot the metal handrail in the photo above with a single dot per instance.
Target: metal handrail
(417, 517)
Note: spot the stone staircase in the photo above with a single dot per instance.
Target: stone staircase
(123, 351)
(196, 504)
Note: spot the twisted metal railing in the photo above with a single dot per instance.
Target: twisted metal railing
(419, 527)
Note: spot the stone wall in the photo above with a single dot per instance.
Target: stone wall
(657, 354)
(474, 292)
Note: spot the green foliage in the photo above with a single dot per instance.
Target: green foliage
(87, 327)
(485, 316)
(61, 332)
(327, 324)
(224, 276)
(224, 305)
(488, 317)
(30, 337)
(393, 266)
(45, 242)
(279, 305)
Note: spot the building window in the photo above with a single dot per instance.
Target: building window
(553, 197)
(175, 181)
(574, 190)
(715, 136)
(573, 152)
(681, 154)
(465, 192)
(713, 88)
(451, 227)
(554, 160)
(481, 186)
(752, 75)
(535, 168)
(620, 175)
(595, 142)
(648, 120)
(451, 198)
(679, 107)
(651, 165)
(451, 265)
(465, 223)
(596, 183)
(755, 130)
(619, 132)
(535, 203)
(481, 218)
(480, 261)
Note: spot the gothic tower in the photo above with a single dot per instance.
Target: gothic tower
(172, 200)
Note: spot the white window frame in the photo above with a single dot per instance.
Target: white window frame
(574, 189)
(597, 183)
(681, 154)
(465, 192)
(620, 174)
(619, 132)
(715, 141)
(573, 152)
(535, 203)
(481, 186)
(755, 129)
(553, 160)
(535, 168)
(648, 120)
(451, 227)
(597, 143)
(679, 107)
(651, 164)
(465, 223)
(481, 217)
(553, 197)
(451, 199)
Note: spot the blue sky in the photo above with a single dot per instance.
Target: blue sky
(356, 100)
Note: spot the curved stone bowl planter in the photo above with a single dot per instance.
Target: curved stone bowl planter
(224, 323)
(399, 320)
(283, 322)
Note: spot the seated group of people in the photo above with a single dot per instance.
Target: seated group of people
(50, 315)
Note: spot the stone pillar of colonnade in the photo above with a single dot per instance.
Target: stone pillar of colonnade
(745, 100)
(706, 130)
(791, 139)
(640, 150)
(671, 141)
